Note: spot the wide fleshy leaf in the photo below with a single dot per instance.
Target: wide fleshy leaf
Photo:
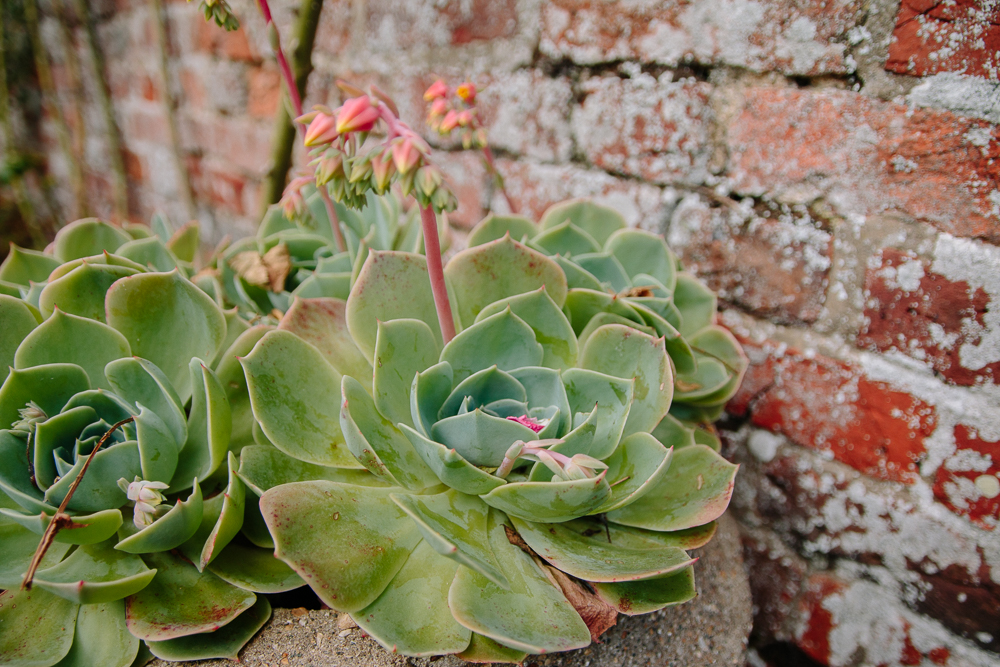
(550, 502)
(481, 389)
(19, 545)
(696, 303)
(403, 348)
(254, 528)
(595, 559)
(150, 252)
(23, 266)
(230, 518)
(28, 616)
(635, 468)
(347, 542)
(678, 348)
(391, 286)
(59, 431)
(101, 638)
(254, 569)
(532, 615)
(141, 383)
(209, 427)
(158, 450)
(170, 530)
(236, 326)
(577, 277)
(87, 237)
(98, 489)
(607, 269)
(323, 324)
(167, 320)
(377, 444)
(181, 601)
(96, 573)
(411, 616)
(230, 373)
(428, 393)
(454, 524)
(480, 438)
(643, 597)
(642, 252)
(566, 239)
(718, 344)
(597, 220)
(18, 322)
(552, 330)
(611, 396)
(504, 268)
(71, 339)
(485, 650)
(638, 538)
(100, 259)
(15, 474)
(582, 305)
(184, 242)
(225, 642)
(503, 340)
(450, 467)
(295, 396)
(263, 467)
(623, 352)
(671, 432)
(694, 491)
(324, 286)
(494, 227)
(87, 529)
(544, 387)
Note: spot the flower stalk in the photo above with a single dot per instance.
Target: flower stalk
(432, 250)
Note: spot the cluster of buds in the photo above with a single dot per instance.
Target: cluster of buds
(578, 466)
(31, 416)
(350, 166)
(220, 12)
(458, 111)
(147, 498)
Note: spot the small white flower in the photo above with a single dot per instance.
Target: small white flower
(147, 498)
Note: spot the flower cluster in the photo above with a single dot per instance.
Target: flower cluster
(220, 12)
(457, 111)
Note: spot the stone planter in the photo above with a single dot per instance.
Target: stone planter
(711, 630)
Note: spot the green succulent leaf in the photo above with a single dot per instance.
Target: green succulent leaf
(15, 475)
(411, 616)
(158, 450)
(151, 252)
(167, 320)
(209, 427)
(577, 277)
(634, 469)
(230, 518)
(225, 642)
(70, 339)
(101, 638)
(625, 353)
(429, 391)
(82, 290)
(295, 394)
(87, 237)
(19, 545)
(678, 348)
(254, 569)
(98, 489)
(610, 396)
(532, 615)
(454, 524)
(696, 303)
(480, 438)
(550, 502)
(709, 380)
(494, 227)
(482, 649)
(607, 269)
(403, 348)
(544, 387)
(181, 601)
(503, 340)
(254, 528)
(324, 285)
(480, 389)
(59, 431)
(141, 383)
(583, 305)
(643, 597)
(717, 343)
(598, 221)
(450, 467)
(236, 326)
(169, 531)
(94, 574)
(601, 319)
(637, 538)
(694, 491)
(641, 252)
(347, 542)
(323, 324)
(566, 239)
(263, 467)
(185, 241)
(377, 444)
(595, 559)
(100, 259)
(23, 266)
(552, 330)
(18, 322)
(87, 529)
(499, 269)
(25, 616)
(229, 372)
(390, 286)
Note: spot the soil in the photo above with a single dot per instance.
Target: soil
(709, 631)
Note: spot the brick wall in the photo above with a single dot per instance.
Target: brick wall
(831, 167)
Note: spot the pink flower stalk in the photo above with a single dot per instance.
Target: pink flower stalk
(530, 422)
(357, 114)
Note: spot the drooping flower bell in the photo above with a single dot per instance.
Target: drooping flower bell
(147, 498)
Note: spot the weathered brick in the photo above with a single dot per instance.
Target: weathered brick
(241, 143)
(772, 260)
(795, 38)
(214, 183)
(868, 156)
(210, 38)
(465, 173)
(527, 113)
(968, 481)
(933, 36)
(263, 90)
(818, 622)
(656, 129)
(779, 574)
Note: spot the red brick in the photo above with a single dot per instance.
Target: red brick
(194, 89)
(145, 122)
(219, 186)
(778, 578)
(241, 143)
(150, 91)
(481, 20)
(831, 406)
(527, 113)
(956, 482)
(234, 45)
(465, 174)
(773, 261)
(872, 156)
(933, 36)
(963, 601)
(814, 637)
(927, 317)
(658, 130)
(264, 91)
(795, 38)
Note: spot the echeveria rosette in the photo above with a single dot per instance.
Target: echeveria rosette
(103, 346)
(411, 518)
(631, 277)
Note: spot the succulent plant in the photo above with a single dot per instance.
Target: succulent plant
(501, 493)
(631, 277)
(151, 553)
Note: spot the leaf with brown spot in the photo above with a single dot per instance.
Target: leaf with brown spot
(595, 612)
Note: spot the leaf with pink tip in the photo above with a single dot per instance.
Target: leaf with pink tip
(643, 597)
(87, 237)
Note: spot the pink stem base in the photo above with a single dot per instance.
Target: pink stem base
(432, 249)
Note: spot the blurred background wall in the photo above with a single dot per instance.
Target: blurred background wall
(831, 167)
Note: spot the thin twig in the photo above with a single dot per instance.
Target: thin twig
(498, 178)
(60, 519)
(432, 249)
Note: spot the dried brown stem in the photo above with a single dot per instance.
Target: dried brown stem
(60, 519)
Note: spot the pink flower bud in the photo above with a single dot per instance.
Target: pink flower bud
(321, 130)
(357, 115)
(382, 171)
(467, 91)
(439, 107)
(437, 89)
(465, 118)
(405, 155)
(535, 425)
(449, 123)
